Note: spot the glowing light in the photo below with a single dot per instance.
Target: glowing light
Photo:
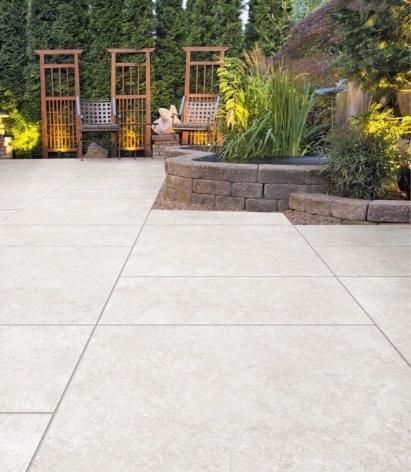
(26, 134)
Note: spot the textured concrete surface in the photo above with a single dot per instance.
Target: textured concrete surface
(138, 340)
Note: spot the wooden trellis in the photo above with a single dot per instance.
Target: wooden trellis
(201, 90)
(131, 90)
(59, 87)
(61, 104)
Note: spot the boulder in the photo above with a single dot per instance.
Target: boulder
(95, 151)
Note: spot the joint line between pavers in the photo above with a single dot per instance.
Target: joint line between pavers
(85, 348)
(139, 276)
(356, 301)
(63, 325)
(227, 325)
(26, 412)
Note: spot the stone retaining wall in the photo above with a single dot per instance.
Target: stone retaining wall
(350, 209)
(193, 178)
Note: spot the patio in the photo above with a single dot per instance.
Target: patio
(146, 340)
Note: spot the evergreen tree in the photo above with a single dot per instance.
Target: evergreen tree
(169, 57)
(51, 24)
(12, 50)
(137, 24)
(216, 23)
(268, 21)
(71, 27)
(41, 17)
(105, 32)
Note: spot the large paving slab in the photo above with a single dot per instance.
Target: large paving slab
(6, 213)
(368, 261)
(238, 399)
(112, 186)
(182, 217)
(48, 235)
(223, 250)
(108, 193)
(15, 203)
(30, 188)
(225, 345)
(57, 285)
(36, 363)
(239, 300)
(19, 436)
(357, 235)
(388, 302)
(83, 211)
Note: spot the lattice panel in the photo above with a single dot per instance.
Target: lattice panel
(203, 78)
(59, 86)
(132, 113)
(201, 92)
(96, 112)
(130, 87)
(200, 110)
(61, 125)
(60, 80)
(131, 79)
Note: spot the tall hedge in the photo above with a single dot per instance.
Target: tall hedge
(216, 23)
(105, 32)
(71, 27)
(137, 30)
(123, 23)
(40, 21)
(169, 56)
(12, 50)
(268, 21)
(51, 24)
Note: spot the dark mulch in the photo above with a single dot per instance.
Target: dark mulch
(301, 218)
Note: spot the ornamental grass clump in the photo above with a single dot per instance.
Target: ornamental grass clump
(265, 110)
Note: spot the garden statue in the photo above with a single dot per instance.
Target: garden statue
(168, 118)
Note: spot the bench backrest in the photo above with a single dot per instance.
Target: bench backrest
(199, 109)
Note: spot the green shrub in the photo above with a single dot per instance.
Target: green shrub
(25, 133)
(265, 110)
(366, 157)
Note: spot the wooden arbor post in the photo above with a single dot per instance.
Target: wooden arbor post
(201, 84)
(131, 90)
(59, 87)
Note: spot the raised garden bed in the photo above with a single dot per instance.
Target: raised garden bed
(196, 178)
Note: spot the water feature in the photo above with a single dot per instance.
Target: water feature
(353, 102)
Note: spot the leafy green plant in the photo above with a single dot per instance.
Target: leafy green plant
(265, 109)
(375, 46)
(366, 157)
(268, 22)
(25, 133)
